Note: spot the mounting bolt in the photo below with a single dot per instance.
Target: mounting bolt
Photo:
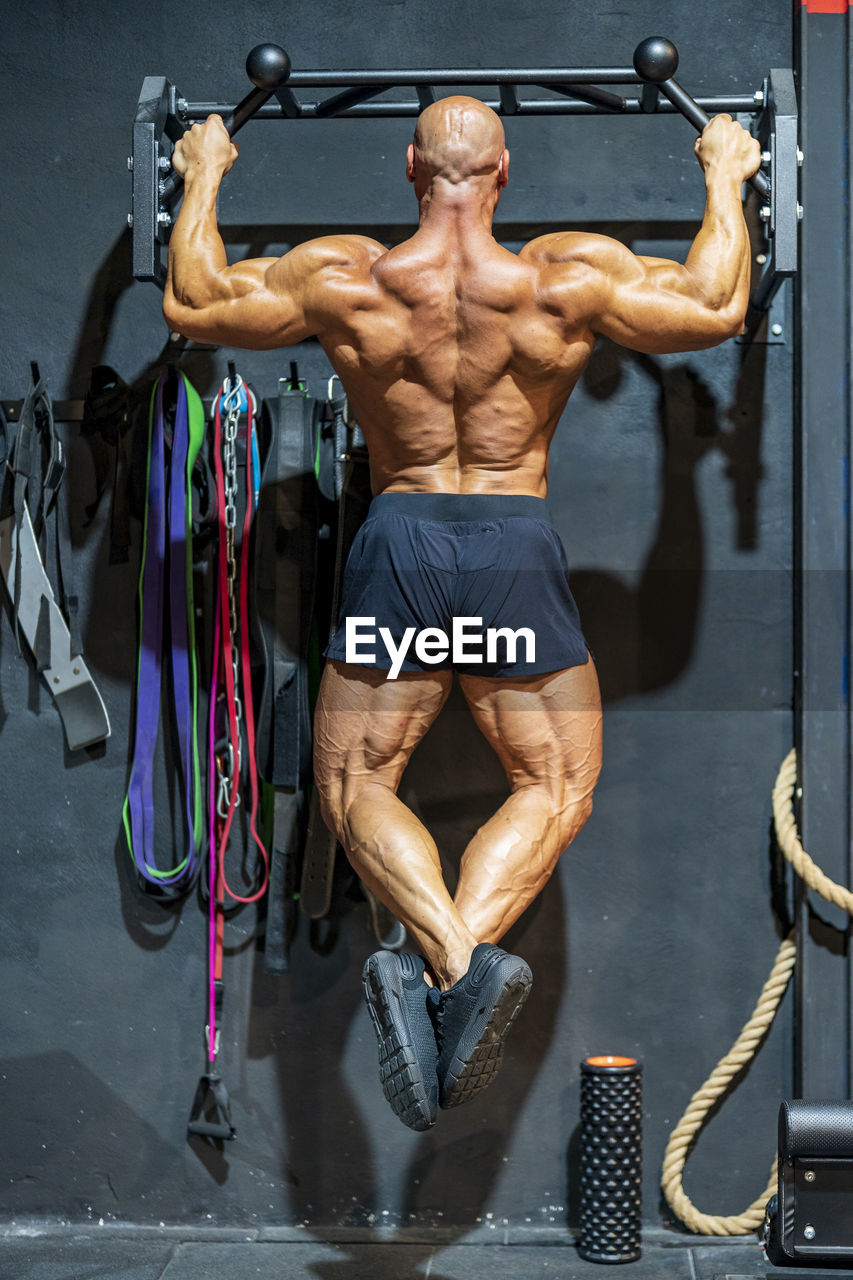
(766, 157)
(809, 1175)
(165, 219)
(776, 330)
(181, 104)
(764, 213)
(130, 219)
(758, 97)
(809, 1231)
(761, 258)
(799, 213)
(130, 163)
(799, 158)
(164, 163)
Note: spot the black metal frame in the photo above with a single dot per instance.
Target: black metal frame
(777, 128)
(162, 115)
(824, 543)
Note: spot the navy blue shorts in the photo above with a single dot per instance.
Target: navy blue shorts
(486, 571)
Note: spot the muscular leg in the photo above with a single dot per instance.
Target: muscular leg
(365, 729)
(546, 731)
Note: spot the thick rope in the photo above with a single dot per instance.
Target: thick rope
(683, 1135)
(745, 1047)
(789, 839)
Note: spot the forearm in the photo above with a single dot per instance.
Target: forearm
(197, 258)
(719, 259)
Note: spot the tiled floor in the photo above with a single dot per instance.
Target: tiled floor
(71, 1253)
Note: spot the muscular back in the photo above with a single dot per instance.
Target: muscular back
(457, 356)
(456, 367)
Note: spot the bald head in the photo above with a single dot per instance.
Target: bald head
(458, 139)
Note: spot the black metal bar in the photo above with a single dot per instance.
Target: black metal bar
(699, 118)
(509, 99)
(744, 104)
(688, 107)
(289, 103)
(244, 110)
(349, 98)
(823, 532)
(464, 75)
(267, 66)
(426, 96)
(63, 410)
(650, 98)
(590, 94)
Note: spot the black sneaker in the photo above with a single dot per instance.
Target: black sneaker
(473, 1019)
(396, 996)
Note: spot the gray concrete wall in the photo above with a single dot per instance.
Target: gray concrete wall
(671, 479)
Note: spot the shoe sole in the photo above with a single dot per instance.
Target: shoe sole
(399, 1070)
(479, 1054)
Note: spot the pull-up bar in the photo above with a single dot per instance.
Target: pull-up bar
(163, 113)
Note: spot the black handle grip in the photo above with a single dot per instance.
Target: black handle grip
(267, 66)
(656, 60)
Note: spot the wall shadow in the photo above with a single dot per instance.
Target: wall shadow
(643, 637)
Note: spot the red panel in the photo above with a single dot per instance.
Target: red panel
(826, 6)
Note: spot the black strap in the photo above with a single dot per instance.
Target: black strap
(56, 525)
(107, 418)
(4, 436)
(51, 487)
(285, 560)
(119, 508)
(353, 493)
(288, 828)
(24, 462)
(284, 571)
(318, 864)
(331, 445)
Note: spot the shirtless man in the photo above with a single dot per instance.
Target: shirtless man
(458, 358)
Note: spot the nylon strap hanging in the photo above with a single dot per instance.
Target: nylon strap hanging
(75, 695)
(346, 481)
(47, 499)
(167, 632)
(286, 562)
(36, 614)
(284, 581)
(57, 526)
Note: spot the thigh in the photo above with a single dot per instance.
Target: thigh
(367, 726)
(544, 728)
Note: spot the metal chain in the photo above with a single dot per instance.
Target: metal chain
(231, 404)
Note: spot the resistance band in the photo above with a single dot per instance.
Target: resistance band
(231, 720)
(167, 628)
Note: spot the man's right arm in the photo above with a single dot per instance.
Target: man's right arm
(259, 303)
(653, 304)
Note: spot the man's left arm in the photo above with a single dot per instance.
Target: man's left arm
(258, 303)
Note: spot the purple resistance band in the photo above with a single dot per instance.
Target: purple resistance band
(165, 568)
